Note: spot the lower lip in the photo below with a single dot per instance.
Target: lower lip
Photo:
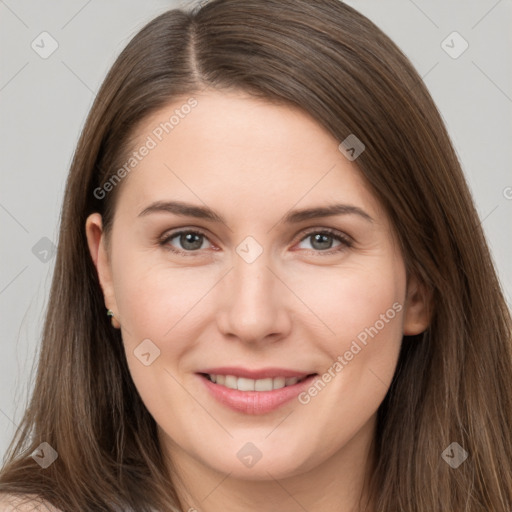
(255, 402)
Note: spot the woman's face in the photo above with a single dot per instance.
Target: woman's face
(221, 264)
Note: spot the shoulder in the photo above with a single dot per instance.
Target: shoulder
(13, 503)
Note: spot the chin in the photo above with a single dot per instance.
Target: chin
(256, 462)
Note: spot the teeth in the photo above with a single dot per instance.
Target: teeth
(264, 384)
(243, 384)
(279, 382)
(231, 382)
(290, 381)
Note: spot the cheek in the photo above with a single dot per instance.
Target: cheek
(362, 310)
(153, 298)
(360, 334)
(350, 300)
(156, 304)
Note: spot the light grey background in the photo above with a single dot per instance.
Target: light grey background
(44, 103)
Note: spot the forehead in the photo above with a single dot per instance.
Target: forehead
(234, 149)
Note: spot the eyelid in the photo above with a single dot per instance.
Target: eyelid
(168, 235)
(330, 231)
(346, 240)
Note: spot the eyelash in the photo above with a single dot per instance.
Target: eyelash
(346, 242)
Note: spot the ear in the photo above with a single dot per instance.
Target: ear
(417, 307)
(100, 258)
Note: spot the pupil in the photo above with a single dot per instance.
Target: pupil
(318, 238)
(188, 239)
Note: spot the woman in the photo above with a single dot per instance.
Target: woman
(272, 290)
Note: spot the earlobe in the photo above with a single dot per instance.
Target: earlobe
(418, 308)
(100, 258)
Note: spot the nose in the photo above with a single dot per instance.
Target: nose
(254, 304)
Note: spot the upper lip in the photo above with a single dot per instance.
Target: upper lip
(256, 374)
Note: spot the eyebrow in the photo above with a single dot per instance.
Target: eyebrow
(292, 217)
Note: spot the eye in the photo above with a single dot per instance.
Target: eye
(321, 241)
(192, 241)
(189, 240)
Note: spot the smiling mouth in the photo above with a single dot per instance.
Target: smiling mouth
(245, 384)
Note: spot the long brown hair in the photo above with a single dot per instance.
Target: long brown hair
(453, 383)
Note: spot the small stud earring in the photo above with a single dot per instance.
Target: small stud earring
(115, 322)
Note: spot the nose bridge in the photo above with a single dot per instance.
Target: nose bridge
(254, 306)
(253, 281)
(251, 277)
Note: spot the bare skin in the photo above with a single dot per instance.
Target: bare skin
(299, 305)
